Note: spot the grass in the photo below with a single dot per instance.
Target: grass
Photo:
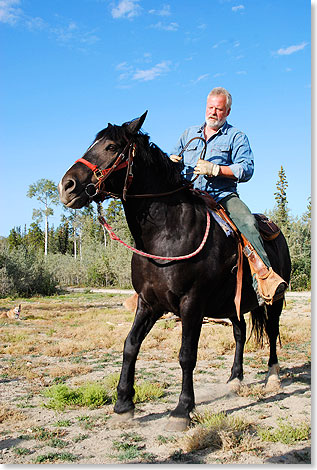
(286, 433)
(96, 394)
(216, 431)
(53, 457)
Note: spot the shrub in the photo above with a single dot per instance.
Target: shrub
(24, 273)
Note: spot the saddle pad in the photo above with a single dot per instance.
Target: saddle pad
(268, 229)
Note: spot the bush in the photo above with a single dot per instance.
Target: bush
(24, 273)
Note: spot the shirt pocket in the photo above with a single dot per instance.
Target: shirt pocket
(221, 154)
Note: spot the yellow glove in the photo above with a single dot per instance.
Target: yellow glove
(175, 158)
(206, 168)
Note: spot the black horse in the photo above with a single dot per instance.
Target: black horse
(168, 221)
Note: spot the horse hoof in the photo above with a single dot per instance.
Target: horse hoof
(122, 418)
(234, 385)
(272, 381)
(177, 424)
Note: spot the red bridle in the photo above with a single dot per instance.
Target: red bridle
(101, 175)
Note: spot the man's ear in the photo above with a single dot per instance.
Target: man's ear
(135, 125)
(228, 112)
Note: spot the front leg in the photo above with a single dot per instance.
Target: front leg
(239, 332)
(144, 320)
(191, 327)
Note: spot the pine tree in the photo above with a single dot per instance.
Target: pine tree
(281, 212)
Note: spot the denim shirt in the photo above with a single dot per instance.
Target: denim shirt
(228, 147)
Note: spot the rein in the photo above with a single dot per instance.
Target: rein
(113, 236)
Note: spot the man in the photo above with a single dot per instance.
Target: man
(228, 161)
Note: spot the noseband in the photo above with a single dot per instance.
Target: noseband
(121, 161)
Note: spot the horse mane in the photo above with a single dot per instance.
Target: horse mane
(148, 153)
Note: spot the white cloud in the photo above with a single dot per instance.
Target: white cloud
(164, 11)
(223, 41)
(126, 9)
(200, 78)
(291, 49)
(166, 27)
(9, 11)
(238, 7)
(152, 73)
(241, 72)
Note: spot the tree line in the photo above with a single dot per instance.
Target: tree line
(40, 258)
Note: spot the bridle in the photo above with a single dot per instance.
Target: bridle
(126, 161)
(120, 161)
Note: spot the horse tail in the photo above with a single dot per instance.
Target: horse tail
(258, 324)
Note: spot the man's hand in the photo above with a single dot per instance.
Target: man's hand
(175, 158)
(206, 168)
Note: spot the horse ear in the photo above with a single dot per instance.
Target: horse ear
(135, 125)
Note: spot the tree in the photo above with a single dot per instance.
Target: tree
(46, 192)
(281, 212)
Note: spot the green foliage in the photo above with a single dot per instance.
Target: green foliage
(286, 433)
(97, 394)
(281, 200)
(92, 395)
(23, 273)
(56, 456)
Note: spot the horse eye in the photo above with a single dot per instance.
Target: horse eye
(110, 147)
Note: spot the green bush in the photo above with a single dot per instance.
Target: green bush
(24, 273)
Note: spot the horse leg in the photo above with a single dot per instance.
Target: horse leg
(144, 320)
(272, 330)
(179, 418)
(239, 332)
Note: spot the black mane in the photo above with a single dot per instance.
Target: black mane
(148, 153)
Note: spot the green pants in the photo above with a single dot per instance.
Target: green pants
(246, 223)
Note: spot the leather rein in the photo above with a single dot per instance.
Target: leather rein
(126, 161)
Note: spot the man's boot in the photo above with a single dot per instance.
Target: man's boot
(270, 285)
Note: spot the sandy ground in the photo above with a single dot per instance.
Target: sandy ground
(85, 436)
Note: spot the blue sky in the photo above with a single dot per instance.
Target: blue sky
(70, 67)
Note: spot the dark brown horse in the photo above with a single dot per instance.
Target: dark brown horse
(169, 226)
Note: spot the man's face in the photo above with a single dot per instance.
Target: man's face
(216, 111)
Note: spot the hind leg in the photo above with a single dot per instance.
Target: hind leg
(144, 320)
(239, 332)
(272, 330)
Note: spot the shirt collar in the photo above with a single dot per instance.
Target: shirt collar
(222, 130)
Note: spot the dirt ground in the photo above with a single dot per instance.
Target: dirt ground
(31, 362)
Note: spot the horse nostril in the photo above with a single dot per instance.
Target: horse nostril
(69, 185)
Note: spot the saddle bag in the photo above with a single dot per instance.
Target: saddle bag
(268, 229)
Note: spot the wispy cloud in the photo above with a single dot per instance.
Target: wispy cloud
(66, 33)
(291, 49)
(238, 8)
(10, 12)
(126, 9)
(200, 78)
(152, 73)
(165, 27)
(164, 11)
(220, 43)
(241, 72)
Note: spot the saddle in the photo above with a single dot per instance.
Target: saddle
(267, 228)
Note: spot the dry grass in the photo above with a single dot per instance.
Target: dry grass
(9, 417)
(219, 431)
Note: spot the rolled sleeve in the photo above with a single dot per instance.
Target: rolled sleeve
(242, 158)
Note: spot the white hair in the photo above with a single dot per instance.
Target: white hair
(222, 91)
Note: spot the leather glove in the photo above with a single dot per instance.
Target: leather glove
(206, 168)
(175, 158)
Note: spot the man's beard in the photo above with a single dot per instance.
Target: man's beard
(214, 123)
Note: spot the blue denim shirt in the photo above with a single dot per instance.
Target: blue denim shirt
(228, 147)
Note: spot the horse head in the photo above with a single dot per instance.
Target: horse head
(108, 153)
